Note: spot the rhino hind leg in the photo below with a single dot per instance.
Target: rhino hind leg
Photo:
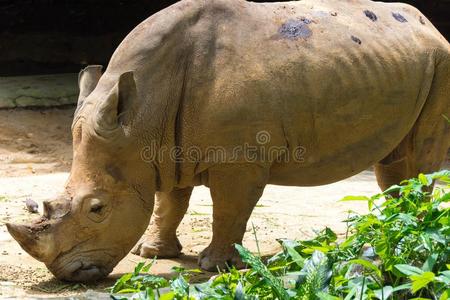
(393, 168)
(161, 240)
(235, 190)
(425, 148)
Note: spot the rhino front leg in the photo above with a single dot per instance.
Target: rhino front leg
(235, 190)
(161, 239)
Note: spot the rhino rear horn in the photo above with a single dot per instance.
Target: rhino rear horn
(56, 209)
(87, 81)
(118, 108)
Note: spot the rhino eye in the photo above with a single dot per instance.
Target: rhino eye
(97, 208)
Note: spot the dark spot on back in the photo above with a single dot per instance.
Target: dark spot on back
(399, 17)
(422, 20)
(373, 17)
(294, 29)
(356, 40)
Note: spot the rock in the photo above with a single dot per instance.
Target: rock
(31, 205)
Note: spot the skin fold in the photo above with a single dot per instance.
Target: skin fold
(235, 95)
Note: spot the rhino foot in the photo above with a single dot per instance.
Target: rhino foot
(211, 259)
(162, 249)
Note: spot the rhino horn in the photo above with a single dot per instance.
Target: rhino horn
(56, 209)
(118, 108)
(28, 238)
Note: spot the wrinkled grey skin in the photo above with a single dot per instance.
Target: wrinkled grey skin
(349, 84)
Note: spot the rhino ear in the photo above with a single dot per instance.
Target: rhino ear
(87, 81)
(117, 110)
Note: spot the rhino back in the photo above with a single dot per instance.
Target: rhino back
(345, 80)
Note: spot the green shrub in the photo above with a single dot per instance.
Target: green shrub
(400, 250)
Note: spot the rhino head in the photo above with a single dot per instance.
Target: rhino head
(109, 196)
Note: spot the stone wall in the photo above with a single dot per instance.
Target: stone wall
(38, 91)
(60, 36)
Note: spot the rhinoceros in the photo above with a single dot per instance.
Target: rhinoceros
(236, 95)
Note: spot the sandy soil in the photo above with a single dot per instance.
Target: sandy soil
(35, 157)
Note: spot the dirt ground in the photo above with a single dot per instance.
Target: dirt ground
(35, 157)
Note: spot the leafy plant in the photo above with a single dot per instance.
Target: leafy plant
(143, 285)
(400, 250)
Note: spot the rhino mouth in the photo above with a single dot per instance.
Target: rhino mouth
(87, 272)
(81, 271)
(83, 268)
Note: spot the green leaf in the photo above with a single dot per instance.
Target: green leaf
(325, 296)
(196, 271)
(259, 267)
(421, 281)
(443, 176)
(402, 287)
(121, 283)
(146, 268)
(430, 262)
(444, 276)
(180, 286)
(445, 198)
(240, 292)
(128, 291)
(312, 249)
(445, 295)
(426, 242)
(167, 296)
(355, 198)
(384, 293)
(138, 268)
(425, 180)
(408, 270)
(315, 275)
(348, 242)
(153, 281)
(392, 189)
(329, 235)
(296, 257)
